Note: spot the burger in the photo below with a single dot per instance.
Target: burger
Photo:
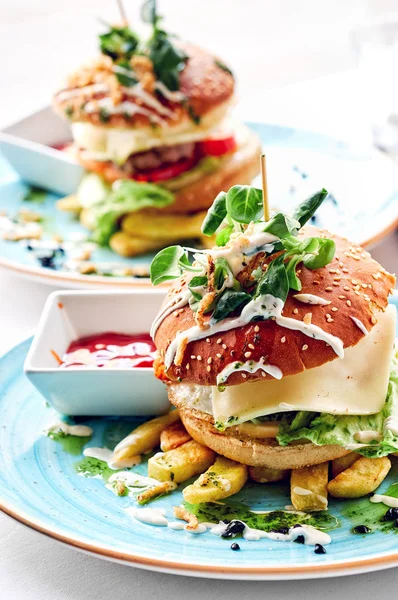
(151, 125)
(276, 345)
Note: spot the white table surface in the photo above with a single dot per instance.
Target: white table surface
(31, 565)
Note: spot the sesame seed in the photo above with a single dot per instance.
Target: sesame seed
(345, 270)
(329, 288)
(208, 340)
(219, 341)
(248, 354)
(346, 288)
(336, 278)
(348, 302)
(307, 318)
(262, 374)
(209, 360)
(295, 311)
(187, 366)
(376, 275)
(199, 357)
(333, 271)
(208, 368)
(244, 375)
(218, 355)
(330, 320)
(336, 283)
(328, 316)
(341, 297)
(224, 346)
(257, 329)
(283, 340)
(341, 265)
(373, 319)
(356, 257)
(364, 285)
(251, 346)
(315, 282)
(354, 281)
(193, 356)
(305, 347)
(357, 293)
(334, 309)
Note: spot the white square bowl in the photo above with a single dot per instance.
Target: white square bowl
(74, 391)
(27, 147)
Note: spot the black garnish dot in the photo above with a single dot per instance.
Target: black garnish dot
(61, 250)
(313, 219)
(319, 549)
(390, 515)
(233, 528)
(361, 529)
(300, 539)
(29, 247)
(284, 530)
(235, 546)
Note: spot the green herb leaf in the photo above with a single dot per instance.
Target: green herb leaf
(221, 65)
(274, 281)
(198, 281)
(244, 203)
(215, 215)
(149, 12)
(282, 226)
(168, 60)
(35, 194)
(294, 281)
(229, 302)
(223, 236)
(222, 271)
(323, 256)
(119, 43)
(308, 208)
(124, 74)
(167, 264)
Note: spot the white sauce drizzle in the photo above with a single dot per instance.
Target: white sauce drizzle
(151, 516)
(311, 535)
(365, 437)
(387, 500)
(176, 302)
(129, 108)
(76, 430)
(95, 87)
(360, 325)
(311, 299)
(168, 94)
(107, 456)
(137, 92)
(266, 306)
(250, 366)
(241, 246)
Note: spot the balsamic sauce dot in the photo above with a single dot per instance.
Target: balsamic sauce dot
(284, 530)
(233, 528)
(319, 549)
(361, 529)
(235, 546)
(300, 539)
(390, 515)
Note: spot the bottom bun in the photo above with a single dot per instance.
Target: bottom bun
(257, 452)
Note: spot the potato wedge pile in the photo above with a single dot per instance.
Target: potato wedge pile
(182, 458)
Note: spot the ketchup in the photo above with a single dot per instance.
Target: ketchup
(111, 350)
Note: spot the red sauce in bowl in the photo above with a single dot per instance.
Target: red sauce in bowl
(111, 350)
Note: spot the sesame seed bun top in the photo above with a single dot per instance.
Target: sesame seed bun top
(205, 82)
(356, 286)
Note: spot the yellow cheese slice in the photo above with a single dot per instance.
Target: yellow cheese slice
(353, 385)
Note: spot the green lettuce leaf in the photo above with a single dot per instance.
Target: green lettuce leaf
(322, 429)
(124, 197)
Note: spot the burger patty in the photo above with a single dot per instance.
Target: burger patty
(158, 157)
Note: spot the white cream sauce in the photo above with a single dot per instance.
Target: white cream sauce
(249, 366)
(311, 535)
(241, 246)
(168, 94)
(87, 89)
(175, 303)
(137, 92)
(365, 437)
(360, 325)
(107, 456)
(311, 299)
(387, 500)
(133, 480)
(129, 108)
(76, 430)
(266, 306)
(157, 516)
(391, 424)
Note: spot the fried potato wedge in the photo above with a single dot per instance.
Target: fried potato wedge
(145, 437)
(124, 245)
(153, 225)
(362, 478)
(344, 462)
(69, 204)
(223, 479)
(266, 475)
(180, 464)
(308, 488)
(173, 436)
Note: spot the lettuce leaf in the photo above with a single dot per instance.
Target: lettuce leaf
(124, 196)
(322, 429)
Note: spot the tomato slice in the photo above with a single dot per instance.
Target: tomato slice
(218, 146)
(166, 172)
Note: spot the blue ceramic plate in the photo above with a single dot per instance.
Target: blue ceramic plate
(40, 486)
(362, 204)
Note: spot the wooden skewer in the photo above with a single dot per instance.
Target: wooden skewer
(122, 13)
(263, 165)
